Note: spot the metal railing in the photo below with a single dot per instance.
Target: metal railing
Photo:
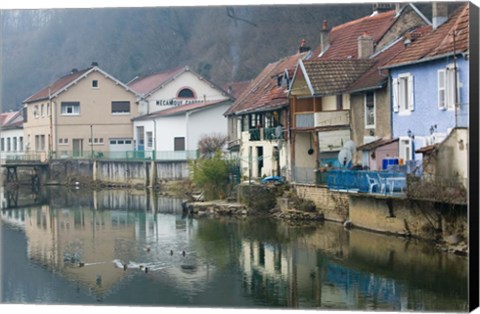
(127, 155)
(376, 182)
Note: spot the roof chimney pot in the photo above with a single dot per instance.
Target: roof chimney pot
(439, 14)
(324, 37)
(365, 46)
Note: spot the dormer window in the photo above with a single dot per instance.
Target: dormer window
(186, 93)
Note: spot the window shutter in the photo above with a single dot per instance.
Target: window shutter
(395, 95)
(441, 89)
(411, 93)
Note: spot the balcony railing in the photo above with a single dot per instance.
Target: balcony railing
(376, 182)
(128, 155)
(332, 118)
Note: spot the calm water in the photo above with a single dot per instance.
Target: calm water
(64, 246)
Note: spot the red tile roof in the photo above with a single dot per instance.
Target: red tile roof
(331, 77)
(10, 120)
(263, 92)
(343, 38)
(438, 42)
(180, 109)
(236, 88)
(57, 86)
(147, 84)
(373, 78)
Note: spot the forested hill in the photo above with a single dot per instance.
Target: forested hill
(222, 43)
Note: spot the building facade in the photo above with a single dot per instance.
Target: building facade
(84, 113)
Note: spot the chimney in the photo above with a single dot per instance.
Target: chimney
(324, 37)
(302, 47)
(383, 7)
(94, 64)
(365, 46)
(439, 14)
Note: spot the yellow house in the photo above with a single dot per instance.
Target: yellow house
(85, 112)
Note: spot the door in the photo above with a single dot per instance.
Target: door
(77, 147)
(260, 160)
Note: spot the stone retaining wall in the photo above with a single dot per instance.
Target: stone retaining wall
(333, 205)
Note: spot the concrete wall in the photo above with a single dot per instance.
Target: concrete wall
(115, 172)
(407, 217)
(389, 215)
(206, 122)
(331, 204)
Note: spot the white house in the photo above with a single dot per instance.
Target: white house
(174, 133)
(12, 142)
(172, 88)
(177, 107)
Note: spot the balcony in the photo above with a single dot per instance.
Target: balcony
(373, 182)
(332, 118)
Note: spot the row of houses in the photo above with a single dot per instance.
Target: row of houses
(385, 89)
(391, 87)
(90, 113)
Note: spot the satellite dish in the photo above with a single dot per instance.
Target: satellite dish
(350, 145)
(344, 156)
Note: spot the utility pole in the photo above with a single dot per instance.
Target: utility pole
(455, 87)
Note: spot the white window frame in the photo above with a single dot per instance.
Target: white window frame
(405, 148)
(370, 126)
(149, 139)
(447, 90)
(74, 105)
(403, 101)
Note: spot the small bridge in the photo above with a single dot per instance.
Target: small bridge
(13, 165)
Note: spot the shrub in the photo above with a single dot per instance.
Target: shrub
(211, 175)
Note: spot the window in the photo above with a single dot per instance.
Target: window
(39, 143)
(403, 94)
(70, 108)
(96, 141)
(120, 107)
(20, 144)
(35, 111)
(94, 84)
(14, 148)
(63, 141)
(179, 144)
(149, 139)
(42, 112)
(186, 93)
(9, 147)
(3, 145)
(448, 88)
(405, 149)
(256, 120)
(369, 110)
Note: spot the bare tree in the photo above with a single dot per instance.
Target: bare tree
(209, 144)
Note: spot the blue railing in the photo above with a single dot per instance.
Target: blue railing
(378, 182)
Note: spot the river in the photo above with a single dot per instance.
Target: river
(118, 247)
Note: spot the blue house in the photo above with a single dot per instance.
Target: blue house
(429, 82)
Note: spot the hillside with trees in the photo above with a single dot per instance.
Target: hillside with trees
(224, 44)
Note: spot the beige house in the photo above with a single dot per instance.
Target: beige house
(83, 113)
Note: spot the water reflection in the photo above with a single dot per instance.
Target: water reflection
(132, 247)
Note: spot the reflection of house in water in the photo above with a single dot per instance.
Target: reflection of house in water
(82, 243)
(62, 238)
